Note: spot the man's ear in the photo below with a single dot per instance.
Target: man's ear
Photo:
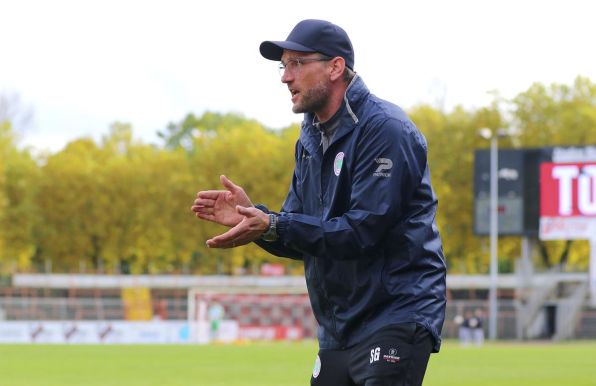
(337, 65)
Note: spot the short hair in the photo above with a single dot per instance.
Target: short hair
(348, 75)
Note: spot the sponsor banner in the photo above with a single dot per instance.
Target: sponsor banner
(50, 332)
(272, 269)
(225, 331)
(271, 332)
(568, 190)
(135, 332)
(14, 332)
(94, 332)
(567, 228)
(567, 201)
(574, 154)
(593, 269)
(155, 332)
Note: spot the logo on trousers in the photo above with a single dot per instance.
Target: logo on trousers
(391, 356)
(317, 369)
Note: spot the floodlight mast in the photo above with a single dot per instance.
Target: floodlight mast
(488, 134)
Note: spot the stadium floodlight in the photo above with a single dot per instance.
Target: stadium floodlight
(493, 136)
(485, 133)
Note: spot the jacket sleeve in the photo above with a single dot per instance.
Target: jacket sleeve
(388, 168)
(292, 204)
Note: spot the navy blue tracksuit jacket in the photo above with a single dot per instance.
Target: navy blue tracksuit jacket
(362, 218)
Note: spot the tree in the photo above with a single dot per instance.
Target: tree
(259, 160)
(5, 146)
(124, 206)
(18, 176)
(451, 139)
(181, 134)
(557, 115)
(72, 212)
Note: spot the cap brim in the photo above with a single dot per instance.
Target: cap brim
(273, 50)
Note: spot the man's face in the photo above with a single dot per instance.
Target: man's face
(307, 81)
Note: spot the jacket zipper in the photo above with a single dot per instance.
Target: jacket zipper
(319, 279)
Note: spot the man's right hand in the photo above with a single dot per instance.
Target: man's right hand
(220, 205)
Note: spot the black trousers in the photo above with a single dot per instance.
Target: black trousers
(393, 356)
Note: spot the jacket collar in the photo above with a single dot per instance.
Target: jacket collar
(356, 93)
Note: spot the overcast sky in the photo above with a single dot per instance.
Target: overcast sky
(81, 65)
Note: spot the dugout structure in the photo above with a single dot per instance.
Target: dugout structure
(250, 313)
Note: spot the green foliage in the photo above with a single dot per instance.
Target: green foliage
(124, 206)
(257, 159)
(18, 179)
(451, 139)
(5, 146)
(543, 116)
(558, 115)
(181, 134)
(119, 204)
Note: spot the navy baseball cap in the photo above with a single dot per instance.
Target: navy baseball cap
(313, 36)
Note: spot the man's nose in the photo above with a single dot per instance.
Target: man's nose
(286, 76)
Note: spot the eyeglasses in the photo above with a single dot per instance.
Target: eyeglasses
(293, 65)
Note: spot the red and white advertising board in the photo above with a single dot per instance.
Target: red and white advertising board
(275, 332)
(568, 206)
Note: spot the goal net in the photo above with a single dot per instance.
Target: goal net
(240, 314)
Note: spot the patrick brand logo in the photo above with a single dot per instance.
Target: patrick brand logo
(384, 168)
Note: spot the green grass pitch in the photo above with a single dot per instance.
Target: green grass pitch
(287, 364)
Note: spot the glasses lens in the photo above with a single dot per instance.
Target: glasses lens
(281, 68)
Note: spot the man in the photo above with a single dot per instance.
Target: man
(360, 213)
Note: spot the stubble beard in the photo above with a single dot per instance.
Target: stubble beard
(314, 99)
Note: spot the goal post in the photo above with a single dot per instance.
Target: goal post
(234, 314)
